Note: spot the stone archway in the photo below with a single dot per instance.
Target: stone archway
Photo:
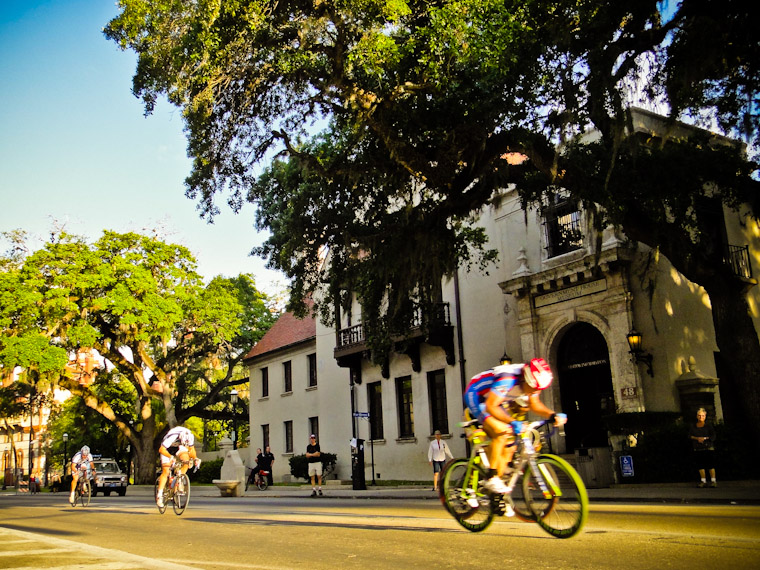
(585, 384)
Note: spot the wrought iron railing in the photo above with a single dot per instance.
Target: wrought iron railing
(563, 229)
(738, 258)
(439, 316)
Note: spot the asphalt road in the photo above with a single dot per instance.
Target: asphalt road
(42, 531)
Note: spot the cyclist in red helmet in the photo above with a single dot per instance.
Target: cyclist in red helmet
(499, 398)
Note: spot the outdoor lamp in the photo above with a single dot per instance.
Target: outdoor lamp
(637, 353)
(234, 399)
(505, 359)
(65, 455)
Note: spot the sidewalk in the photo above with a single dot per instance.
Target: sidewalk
(728, 492)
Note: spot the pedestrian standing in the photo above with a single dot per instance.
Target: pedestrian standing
(314, 457)
(437, 454)
(702, 435)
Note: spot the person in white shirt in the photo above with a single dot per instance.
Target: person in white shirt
(81, 464)
(437, 454)
(178, 442)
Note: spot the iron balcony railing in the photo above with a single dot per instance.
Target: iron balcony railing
(439, 316)
(738, 258)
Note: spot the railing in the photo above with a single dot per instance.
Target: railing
(440, 316)
(351, 336)
(738, 258)
(563, 229)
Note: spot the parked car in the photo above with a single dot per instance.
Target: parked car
(108, 477)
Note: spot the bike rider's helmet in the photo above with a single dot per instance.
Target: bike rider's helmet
(537, 374)
(186, 438)
(85, 450)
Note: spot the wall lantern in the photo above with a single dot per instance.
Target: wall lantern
(505, 359)
(637, 353)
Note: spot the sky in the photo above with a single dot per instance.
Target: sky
(76, 149)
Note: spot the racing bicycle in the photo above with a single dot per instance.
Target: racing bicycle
(543, 488)
(83, 490)
(177, 488)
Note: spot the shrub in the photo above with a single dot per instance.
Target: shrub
(299, 465)
(208, 471)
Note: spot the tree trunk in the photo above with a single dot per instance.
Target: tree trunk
(738, 343)
(145, 453)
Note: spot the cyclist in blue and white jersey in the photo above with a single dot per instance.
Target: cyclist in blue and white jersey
(81, 458)
(488, 398)
(178, 442)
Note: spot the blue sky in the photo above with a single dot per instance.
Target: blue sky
(75, 147)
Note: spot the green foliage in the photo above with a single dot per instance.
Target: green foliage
(299, 464)
(208, 471)
(419, 105)
(176, 343)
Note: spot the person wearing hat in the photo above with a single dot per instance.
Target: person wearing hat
(437, 454)
(313, 455)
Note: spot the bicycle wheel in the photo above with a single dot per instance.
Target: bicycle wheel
(521, 504)
(161, 510)
(456, 487)
(262, 483)
(247, 482)
(564, 513)
(84, 498)
(181, 494)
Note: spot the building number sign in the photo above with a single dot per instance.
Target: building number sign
(628, 392)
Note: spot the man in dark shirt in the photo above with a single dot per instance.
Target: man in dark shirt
(313, 455)
(265, 461)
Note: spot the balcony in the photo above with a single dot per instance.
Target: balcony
(738, 258)
(434, 329)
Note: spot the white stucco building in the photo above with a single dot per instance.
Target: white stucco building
(552, 294)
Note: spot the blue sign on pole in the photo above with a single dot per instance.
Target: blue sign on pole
(361, 414)
(626, 465)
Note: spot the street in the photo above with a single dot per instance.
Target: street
(299, 532)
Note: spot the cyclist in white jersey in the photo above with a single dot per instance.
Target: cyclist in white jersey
(83, 457)
(178, 442)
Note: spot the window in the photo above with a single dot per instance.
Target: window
(405, 406)
(287, 372)
(289, 437)
(314, 426)
(375, 407)
(265, 382)
(562, 223)
(439, 418)
(312, 371)
(265, 435)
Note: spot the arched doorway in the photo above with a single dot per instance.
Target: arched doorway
(585, 384)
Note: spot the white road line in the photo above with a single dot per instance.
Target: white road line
(126, 559)
(84, 566)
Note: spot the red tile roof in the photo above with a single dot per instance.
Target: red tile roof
(287, 331)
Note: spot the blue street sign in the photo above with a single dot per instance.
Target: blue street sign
(626, 465)
(361, 414)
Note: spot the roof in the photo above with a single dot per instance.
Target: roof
(286, 332)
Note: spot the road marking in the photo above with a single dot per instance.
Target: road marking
(95, 557)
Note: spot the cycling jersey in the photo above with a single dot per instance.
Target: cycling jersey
(78, 460)
(505, 381)
(178, 438)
